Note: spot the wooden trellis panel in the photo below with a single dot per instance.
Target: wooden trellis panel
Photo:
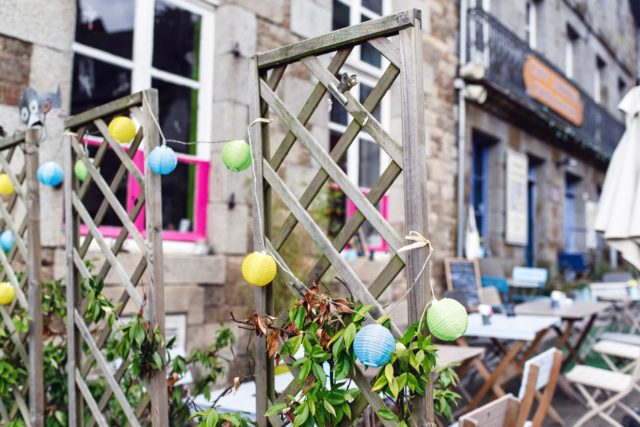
(144, 288)
(20, 213)
(404, 54)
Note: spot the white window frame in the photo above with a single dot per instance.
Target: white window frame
(568, 56)
(142, 71)
(531, 16)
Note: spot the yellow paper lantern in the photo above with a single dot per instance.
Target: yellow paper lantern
(6, 186)
(7, 293)
(259, 268)
(122, 129)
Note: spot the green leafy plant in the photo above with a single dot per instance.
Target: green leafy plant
(325, 328)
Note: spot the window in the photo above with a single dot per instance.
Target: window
(531, 17)
(364, 160)
(570, 50)
(479, 182)
(570, 216)
(599, 85)
(123, 47)
(479, 34)
(622, 88)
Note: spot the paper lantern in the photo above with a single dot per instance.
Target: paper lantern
(80, 170)
(259, 268)
(374, 345)
(7, 240)
(447, 319)
(6, 186)
(50, 174)
(122, 129)
(7, 293)
(236, 155)
(162, 160)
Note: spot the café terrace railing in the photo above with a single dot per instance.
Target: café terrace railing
(503, 55)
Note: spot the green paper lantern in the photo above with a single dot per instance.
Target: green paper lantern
(80, 170)
(236, 155)
(447, 319)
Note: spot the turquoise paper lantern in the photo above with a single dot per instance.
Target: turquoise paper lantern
(236, 155)
(374, 345)
(447, 319)
(162, 160)
(7, 240)
(50, 174)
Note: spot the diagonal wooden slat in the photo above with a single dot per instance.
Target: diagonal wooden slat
(387, 49)
(354, 283)
(111, 198)
(8, 271)
(308, 109)
(119, 151)
(106, 371)
(18, 189)
(115, 264)
(22, 406)
(91, 403)
(367, 120)
(9, 224)
(332, 169)
(13, 335)
(337, 153)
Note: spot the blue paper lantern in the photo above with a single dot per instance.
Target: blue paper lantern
(374, 345)
(50, 174)
(7, 240)
(162, 160)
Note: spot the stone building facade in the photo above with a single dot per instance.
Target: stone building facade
(97, 50)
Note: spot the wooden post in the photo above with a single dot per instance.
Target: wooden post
(415, 182)
(155, 281)
(72, 229)
(265, 390)
(34, 265)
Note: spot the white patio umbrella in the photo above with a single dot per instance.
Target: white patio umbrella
(618, 214)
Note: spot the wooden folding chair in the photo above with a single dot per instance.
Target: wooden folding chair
(614, 385)
(540, 372)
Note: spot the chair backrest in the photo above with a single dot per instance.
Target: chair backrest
(499, 413)
(609, 289)
(536, 277)
(617, 276)
(541, 371)
(500, 283)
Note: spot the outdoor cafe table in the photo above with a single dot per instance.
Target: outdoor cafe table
(570, 314)
(512, 335)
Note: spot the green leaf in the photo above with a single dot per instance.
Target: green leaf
(394, 387)
(291, 346)
(157, 360)
(302, 416)
(329, 407)
(319, 373)
(275, 409)
(380, 384)
(388, 372)
(349, 335)
(361, 312)
(298, 320)
(387, 414)
(212, 418)
(304, 371)
(346, 408)
(338, 346)
(140, 336)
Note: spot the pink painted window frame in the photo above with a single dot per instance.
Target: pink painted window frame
(134, 191)
(384, 211)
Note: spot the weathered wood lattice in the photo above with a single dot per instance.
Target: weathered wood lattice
(404, 54)
(144, 288)
(20, 213)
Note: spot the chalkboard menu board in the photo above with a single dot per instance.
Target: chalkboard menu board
(463, 280)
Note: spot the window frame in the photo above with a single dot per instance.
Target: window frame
(142, 74)
(531, 24)
(480, 148)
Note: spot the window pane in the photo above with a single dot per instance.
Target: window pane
(368, 53)
(106, 25)
(176, 40)
(96, 82)
(365, 90)
(369, 164)
(178, 113)
(95, 197)
(178, 198)
(338, 113)
(340, 15)
(373, 5)
(333, 141)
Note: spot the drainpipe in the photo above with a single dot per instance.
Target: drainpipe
(462, 124)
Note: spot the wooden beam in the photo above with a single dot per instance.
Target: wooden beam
(11, 141)
(345, 37)
(117, 106)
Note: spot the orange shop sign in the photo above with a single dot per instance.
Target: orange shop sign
(551, 89)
